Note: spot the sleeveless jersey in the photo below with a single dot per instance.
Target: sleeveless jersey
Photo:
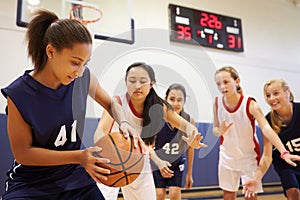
(170, 146)
(290, 137)
(239, 145)
(56, 117)
(135, 119)
(143, 187)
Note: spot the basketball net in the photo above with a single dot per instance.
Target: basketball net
(88, 15)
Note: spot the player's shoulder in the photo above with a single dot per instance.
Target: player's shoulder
(20, 86)
(250, 100)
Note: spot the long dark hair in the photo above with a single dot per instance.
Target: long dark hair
(153, 114)
(178, 86)
(45, 28)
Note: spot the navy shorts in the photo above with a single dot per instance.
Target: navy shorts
(85, 193)
(161, 182)
(289, 179)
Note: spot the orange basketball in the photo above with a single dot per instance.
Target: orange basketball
(126, 162)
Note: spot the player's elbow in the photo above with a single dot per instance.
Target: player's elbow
(21, 159)
(22, 156)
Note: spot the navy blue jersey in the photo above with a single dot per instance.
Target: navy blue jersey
(56, 117)
(170, 146)
(290, 137)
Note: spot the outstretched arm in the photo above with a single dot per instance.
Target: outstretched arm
(115, 110)
(104, 125)
(162, 165)
(250, 187)
(194, 137)
(271, 135)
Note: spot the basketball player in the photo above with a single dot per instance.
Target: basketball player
(171, 148)
(46, 114)
(284, 119)
(145, 111)
(234, 122)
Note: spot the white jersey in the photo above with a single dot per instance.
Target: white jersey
(132, 116)
(143, 188)
(239, 145)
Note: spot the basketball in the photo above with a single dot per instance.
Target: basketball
(126, 162)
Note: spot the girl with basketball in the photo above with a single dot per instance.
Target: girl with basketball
(171, 148)
(234, 122)
(146, 111)
(46, 114)
(284, 119)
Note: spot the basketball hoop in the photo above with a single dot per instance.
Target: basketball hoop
(76, 13)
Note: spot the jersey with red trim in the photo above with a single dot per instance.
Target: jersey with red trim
(143, 187)
(135, 119)
(239, 145)
(56, 118)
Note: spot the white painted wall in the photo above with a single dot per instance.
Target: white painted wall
(271, 49)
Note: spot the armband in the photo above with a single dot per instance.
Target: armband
(284, 153)
(124, 121)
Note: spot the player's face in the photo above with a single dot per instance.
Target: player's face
(176, 99)
(225, 83)
(138, 83)
(276, 97)
(69, 64)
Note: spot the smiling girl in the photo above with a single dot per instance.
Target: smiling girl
(234, 123)
(284, 118)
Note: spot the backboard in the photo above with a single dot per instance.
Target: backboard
(116, 22)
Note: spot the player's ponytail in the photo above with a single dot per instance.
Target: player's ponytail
(36, 31)
(46, 28)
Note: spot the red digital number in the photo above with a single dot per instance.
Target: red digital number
(239, 42)
(203, 20)
(218, 24)
(234, 42)
(184, 32)
(231, 41)
(210, 39)
(210, 21)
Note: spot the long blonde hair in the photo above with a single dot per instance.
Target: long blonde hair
(233, 73)
(276, 122)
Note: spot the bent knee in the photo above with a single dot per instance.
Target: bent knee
(293, 193)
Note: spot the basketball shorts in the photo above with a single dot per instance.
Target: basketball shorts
(176, 180)
(230, 180)
(85, 193)
(289, 179)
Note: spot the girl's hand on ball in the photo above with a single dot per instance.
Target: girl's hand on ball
(90, 161)
(127, 130)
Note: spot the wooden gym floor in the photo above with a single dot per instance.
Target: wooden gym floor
(272, 192)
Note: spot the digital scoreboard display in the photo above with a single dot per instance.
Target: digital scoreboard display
(205, 28)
